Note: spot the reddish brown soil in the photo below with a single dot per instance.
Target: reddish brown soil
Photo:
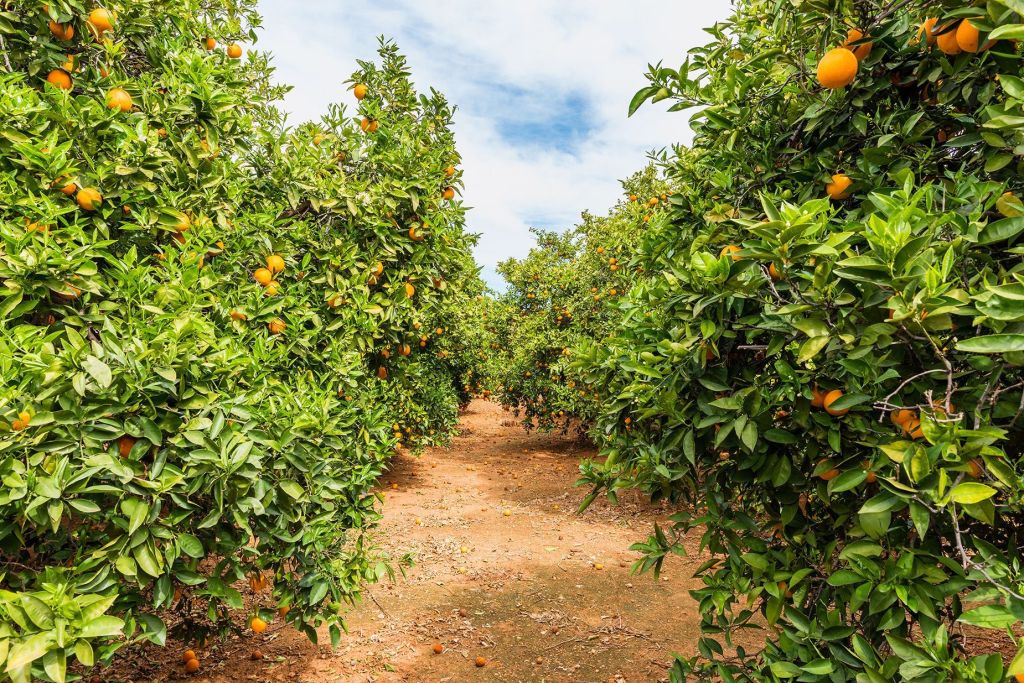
(504, 569)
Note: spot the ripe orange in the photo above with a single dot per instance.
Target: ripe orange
(837, 68)
(188, 655)
(404, 350)
(653, 201)
(731, 250)
(448, 194)
(1019, 678)
(633, 198)
(947, 41)
(59, 78)
(62, 31)
(836, 190)
(275, 264)
(192, 665)
(830, 473)
(125, 445)
(449, 172)
(209, 44)
(282, 611)
(871, 477)
(359, 91)
(975, 469)
(438, 648)
(89, 198)
(410, 290)
(902, 417)
(378, 269)
(774, 273)
(861, 51)
(118, 98)
(913, 429)
(830, 398)
(967, 36)
(276, 326)
(927, 30)
(258, 625)
(100, 20)
(238, 315)
(234, 51)
(382, 372)
(263, 276)
(480, 661)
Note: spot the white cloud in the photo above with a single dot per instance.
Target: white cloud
(531, 64)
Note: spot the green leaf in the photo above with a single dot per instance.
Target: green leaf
(292, 488)
(993, 343)
(102, 627)
(1001, 230)
(971, 492)
(99, 371)
(191, 546)
(989, 616)
(29, 650)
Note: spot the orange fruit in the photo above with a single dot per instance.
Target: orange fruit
(1019, 678)
(975, 468)
(62, 31)
(257, 625)
(438, 648)
(902, 417)
(275, 264)
(947, 41)
(830, 473)
(276, 326)
(912, 428)
(927, 30)
(263, 276)
(188, 655)
(653, 201)
(449, 172)
(118, 98)
(861, 51)
(382, 372)
(480, 661)
(830, 398)
(89, 198)
(410, 290)
(359, 91)
(59, 78)
(238, 315)
(282, 611)
(871, 477)
(837, 68)
(68, 188)
(272, 288)
(209, 44)
(448, 194)
(774, 273)
(234, 51)
(836, 189)
(100, 20)
(378, 269)
(967, 36)
(731, 250)
(125, 445)
(192, 665)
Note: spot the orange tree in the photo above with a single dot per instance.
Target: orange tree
(823, 368)
(565, 291)
(205, 318)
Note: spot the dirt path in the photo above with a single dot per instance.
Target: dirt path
(504, 569)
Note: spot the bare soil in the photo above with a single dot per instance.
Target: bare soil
(504, 569)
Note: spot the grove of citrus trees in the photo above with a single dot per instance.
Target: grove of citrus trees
(566, 291)
(216, 329)
(823, 370)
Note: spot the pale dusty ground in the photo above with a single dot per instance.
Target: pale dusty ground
(521, 589)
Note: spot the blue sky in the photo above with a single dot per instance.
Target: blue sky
(541, 88)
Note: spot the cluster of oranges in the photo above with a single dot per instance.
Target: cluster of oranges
(826, 399)
(100, 21)
(838, 67)
(266, 278)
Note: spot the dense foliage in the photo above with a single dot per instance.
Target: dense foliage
(823, 371)
(215, 330)
(565, 291)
